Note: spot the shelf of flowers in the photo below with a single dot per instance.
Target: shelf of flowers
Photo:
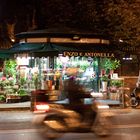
(11, 92)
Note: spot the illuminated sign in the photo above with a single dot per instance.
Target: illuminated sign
(88, 54)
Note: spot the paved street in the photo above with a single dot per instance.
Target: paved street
(15, 116)
(15, 125)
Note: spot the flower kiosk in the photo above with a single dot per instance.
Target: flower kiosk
(44, 68)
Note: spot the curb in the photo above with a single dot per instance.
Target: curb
(15, 109)
(29, 108)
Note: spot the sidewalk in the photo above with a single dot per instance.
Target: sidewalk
(27, 105)
(15, 106)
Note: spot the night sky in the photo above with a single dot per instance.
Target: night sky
(76, 14)
(10, 8)
(47, 12)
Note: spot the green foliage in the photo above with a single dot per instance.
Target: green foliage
(104, 78)
(22, 92)
(95, 63)
(116, 83)
(84, 65)
(2, 98)
(110, 64)
(9, 90)
(10, 68)
(4, 83)
(22, 81)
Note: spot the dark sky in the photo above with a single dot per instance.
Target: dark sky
(9, 8)
(2, 7)
(47, 13)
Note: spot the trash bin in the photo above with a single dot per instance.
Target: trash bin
(38, 96)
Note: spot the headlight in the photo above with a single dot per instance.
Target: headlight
(103, 106)
(41, 107)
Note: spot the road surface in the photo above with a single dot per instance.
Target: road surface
(16, 125)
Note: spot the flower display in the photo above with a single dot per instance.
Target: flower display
(6, 82)
(3, 78)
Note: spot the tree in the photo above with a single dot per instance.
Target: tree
(118, 19)
(52, 13)
(123, 20)
(5, 41)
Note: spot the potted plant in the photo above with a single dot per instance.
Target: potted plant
(104, 81)
(104, 78)
(116, 83)
(114, 89)
(111, 65)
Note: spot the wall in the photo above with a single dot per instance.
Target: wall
(130, 82)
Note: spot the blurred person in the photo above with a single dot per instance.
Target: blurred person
(76, 94)
(74, 91)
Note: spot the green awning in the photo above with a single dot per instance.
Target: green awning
(26, 47)
(5, 54)
(51, 50)
(47, 50)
